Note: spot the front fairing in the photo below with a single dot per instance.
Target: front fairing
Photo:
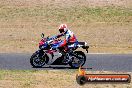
(43, 44)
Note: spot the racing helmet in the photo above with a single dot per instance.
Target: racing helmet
(63, 28)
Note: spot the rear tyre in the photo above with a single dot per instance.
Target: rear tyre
(78, 60)
(37, 61)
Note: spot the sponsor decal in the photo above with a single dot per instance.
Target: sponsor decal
(83, 78)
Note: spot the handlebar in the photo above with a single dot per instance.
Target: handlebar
(49, 40)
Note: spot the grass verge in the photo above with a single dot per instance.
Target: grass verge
(102, 27)
(50, 79)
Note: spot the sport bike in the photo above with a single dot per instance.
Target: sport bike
(47, 54)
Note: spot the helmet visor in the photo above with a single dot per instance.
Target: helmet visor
(61, 30)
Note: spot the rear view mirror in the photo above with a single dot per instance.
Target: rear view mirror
(42, 35)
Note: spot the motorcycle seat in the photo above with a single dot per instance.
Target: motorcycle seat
(81, 43)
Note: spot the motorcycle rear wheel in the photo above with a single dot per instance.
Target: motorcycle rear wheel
(81, 60)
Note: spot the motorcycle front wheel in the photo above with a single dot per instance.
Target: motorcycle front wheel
(78, 60)
(37, 61)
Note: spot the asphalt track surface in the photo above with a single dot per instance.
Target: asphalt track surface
(95, 62)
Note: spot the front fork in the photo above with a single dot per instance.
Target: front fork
(40, 52)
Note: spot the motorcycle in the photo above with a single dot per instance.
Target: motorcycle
(46, 54)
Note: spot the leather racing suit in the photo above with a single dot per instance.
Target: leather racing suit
(70, 40)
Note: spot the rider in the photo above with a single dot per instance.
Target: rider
(69, 41)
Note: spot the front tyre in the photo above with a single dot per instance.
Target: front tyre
(78, 59)
(37, 61)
